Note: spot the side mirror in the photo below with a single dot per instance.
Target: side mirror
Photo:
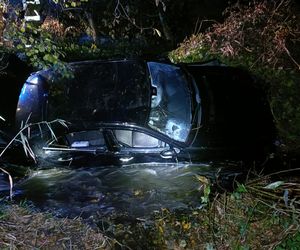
(169, 153)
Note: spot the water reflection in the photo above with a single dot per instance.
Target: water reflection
(136, 190)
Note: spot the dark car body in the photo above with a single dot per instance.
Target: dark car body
(136, 111)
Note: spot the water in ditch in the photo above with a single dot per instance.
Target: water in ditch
(137, 190)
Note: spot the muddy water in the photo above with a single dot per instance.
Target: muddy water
(136, 190)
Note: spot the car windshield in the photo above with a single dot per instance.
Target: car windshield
(170, 111)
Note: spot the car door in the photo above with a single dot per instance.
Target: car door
(80, 149)
(140, 147)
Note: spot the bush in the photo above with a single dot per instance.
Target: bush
(262, 37)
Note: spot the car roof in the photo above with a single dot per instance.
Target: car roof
(106, 91)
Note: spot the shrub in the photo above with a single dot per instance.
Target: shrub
(262, 37)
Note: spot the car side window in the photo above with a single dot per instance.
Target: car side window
(124, 137)
(141, 140)
(93, 138)
(137, 139)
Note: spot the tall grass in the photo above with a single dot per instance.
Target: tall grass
(23, 137)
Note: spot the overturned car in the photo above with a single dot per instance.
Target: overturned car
(136, 111)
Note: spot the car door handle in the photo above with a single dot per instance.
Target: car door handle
(126, 159)
(61, 159)
(168, 153)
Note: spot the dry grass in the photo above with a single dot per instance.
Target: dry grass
(264, 33)
(21, 229)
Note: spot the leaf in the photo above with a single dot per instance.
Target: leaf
(29, 53)
(62, 122)
(157, 32)
(23, 141)
(274, 185)
(46, 57)
(51, 131)
(28, 118)
(41, 131)
(207, 191)
(186, 225)
(209, 246)
(183, 243)
(204, 200)
(50, 58)
(157, 2)
(41, 48)
(241, 188)
(202, 179)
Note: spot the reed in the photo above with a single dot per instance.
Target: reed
(23, 137)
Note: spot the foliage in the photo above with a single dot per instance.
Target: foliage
(155, 20)
(292, 242)
(77, 33)
(205, 187)
(38, 47)
(32, 43)
(114, 49)
(71, 3)
(261, 32)
(262, 37)
(154, 26)
(256, 215)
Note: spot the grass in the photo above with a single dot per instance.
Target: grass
(22, 229)
(261, 213)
